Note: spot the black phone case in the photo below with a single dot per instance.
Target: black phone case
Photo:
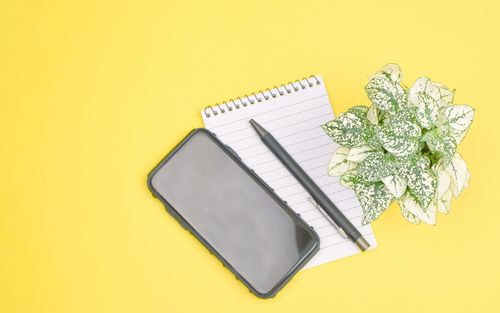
(171, 210)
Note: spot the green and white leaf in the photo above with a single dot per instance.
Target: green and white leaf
(423, 188)
(404, 123)
(392, 71)
(443, 144)
(457, 169)
(359, 110)
(410, 217)
(339, 164)
(351, 129)
(441, 93)
(349, 179)
(426, 97)
(427, 111)
(458, 117)
(374, 199)
(375, 167)
(458, 135)
(410, 204)
(400, 146)
(385, 94)
(443, 204)
(422, 182)
(372, 115)
(395, 184)
(358, 154)
(446, 95)
(443, 180)
(384, 119)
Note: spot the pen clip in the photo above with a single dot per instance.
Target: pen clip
(337, 227)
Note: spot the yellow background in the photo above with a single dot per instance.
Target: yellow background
(94, 93)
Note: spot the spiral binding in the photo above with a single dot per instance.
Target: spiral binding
(260, 96)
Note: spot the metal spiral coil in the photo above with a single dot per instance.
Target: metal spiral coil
(260, 96)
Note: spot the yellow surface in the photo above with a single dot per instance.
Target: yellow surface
(94, 93)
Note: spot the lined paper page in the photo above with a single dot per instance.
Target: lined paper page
(294, 119)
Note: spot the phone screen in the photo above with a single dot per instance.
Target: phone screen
(233, 212)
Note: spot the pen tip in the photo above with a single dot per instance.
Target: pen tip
(362, 244)
(259, 129)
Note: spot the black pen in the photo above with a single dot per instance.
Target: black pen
(337, 218)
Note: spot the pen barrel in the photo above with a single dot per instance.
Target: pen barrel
(312, 188)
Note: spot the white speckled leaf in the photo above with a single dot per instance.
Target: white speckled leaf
(392, 71)
(422, 85)
(372, 115)
(437, 91)
(385, 94)
(358, 154)
(426, 97)
(350, 129)
(458, 117)
(375, 167)
(410, 204)
(385, 119)
(441, 208)
(429, 215)
(444, 203)
(443, 180)
(359, 110)
(410, 217)
(349, 179)
(427, 111)
(443, 144)
(374, 199)
(422, 182)
(457, 169)
(404, 123)
(338, 164)
(400, 146)
(458, 135)
(446, 95)
(395, 184)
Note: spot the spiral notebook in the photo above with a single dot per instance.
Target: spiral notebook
(293, 113)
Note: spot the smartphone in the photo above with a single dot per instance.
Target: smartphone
(233, 213)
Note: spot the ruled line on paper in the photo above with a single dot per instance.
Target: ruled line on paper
(280, 167)
(306, 112)
(287, 146)
(296, 153)
(258, 143)
(270, 130)
(289, 175)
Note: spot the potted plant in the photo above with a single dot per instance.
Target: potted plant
(402, 148)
